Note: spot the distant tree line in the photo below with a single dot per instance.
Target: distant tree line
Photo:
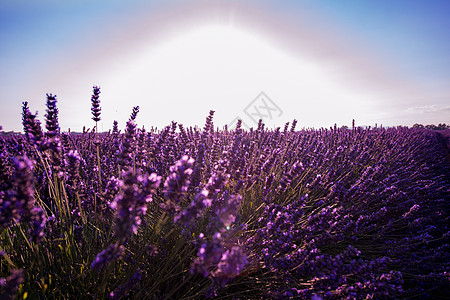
(441, 126)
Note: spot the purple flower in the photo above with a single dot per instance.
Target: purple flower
(52, 124)
(5, 178)
(294, 123)
(218, 179)
(131, 203)
(209, 255)
(226, 210)
(199, 164)
(177, 183)
(231, 264)
(109, 193)
(128, 146)
(134, 113)
(115, 128)
(52, 142)
(149, 184)
(10, 285)
(217, 262)
(72, 164)
(205, 197)
(32, 127)
(96, 109)
(195, 210)
(111, 253)
(20, 204)
(209, 126)
(415, 208)
(287, 179)
(227, 215)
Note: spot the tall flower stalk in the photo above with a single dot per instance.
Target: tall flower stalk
(20, 204)
(52, 142)
(279, 214)
(96, 109)
(130, 207)
(32, 127)
(177, 184)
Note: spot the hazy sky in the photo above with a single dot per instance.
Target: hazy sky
(320, 62)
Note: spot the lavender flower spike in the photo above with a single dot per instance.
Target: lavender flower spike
(111, 253)
(134, 113)
(130, 204)
(53, 143)
(128, 145)
(72, 164)
(52, 123)
(96, 109)
(32, 126)
(10, 285)
(177, 182)
(179, 178)
(231, 264)
(21, 203)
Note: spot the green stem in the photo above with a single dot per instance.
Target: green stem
(99, 170)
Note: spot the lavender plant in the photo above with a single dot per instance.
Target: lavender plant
(330, 213)
(96, 109)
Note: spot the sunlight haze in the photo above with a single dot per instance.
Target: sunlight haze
(314, 62)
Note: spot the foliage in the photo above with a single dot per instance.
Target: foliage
(187, 213)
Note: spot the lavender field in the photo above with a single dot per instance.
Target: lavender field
(189, 213)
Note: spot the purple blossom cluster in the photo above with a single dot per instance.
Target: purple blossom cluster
(189, 212)
(218, 262)
(32, 127)
(177, 183)
(130, 204)
(18, 203)
(11, 284)
(96, 109)
(52, 141)
(111, 253)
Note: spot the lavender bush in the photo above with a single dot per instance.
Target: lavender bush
(188, 213)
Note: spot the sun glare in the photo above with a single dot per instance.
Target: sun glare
(222, 67)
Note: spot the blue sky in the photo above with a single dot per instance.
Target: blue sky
(415, 32)
(321, 62)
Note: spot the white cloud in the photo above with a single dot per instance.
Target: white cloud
(429, 109)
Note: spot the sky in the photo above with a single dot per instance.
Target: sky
(384, 62)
